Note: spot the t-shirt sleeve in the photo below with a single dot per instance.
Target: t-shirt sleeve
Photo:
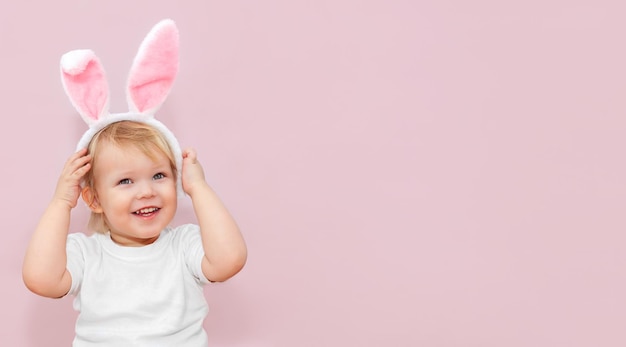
(191, 242)
(75, 260)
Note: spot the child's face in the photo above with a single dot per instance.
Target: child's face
(136, 194)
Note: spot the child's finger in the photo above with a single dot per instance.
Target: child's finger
(77, 154)
(81, 171)
(190, 154)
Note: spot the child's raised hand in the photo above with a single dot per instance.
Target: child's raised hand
(68, 186)
(193, 174)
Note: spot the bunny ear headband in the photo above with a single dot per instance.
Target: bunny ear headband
(149, 82)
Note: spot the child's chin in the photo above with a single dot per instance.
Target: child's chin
(151, 236)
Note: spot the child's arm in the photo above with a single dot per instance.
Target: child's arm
(44, 269)
(225, 251)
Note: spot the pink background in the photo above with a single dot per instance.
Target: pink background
(406, 173)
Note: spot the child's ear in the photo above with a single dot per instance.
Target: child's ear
(92, 201)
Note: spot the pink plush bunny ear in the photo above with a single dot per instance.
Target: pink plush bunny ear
(154, 69)
(85, 84)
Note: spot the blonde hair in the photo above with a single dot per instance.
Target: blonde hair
(125, 133)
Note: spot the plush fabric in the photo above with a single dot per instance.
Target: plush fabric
(150, 81)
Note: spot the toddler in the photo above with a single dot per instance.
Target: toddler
(136, 281)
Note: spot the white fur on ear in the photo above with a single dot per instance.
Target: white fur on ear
(85, 84)
(154, 69)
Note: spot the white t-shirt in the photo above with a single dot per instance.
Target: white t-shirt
(138, 296)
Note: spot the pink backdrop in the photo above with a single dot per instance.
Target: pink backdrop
(406, 173)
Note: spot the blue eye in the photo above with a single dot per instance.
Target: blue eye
(158, 176)
(125, 181)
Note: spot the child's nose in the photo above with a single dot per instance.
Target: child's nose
(145, 190)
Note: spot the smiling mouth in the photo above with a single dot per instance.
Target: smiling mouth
(146, 211)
